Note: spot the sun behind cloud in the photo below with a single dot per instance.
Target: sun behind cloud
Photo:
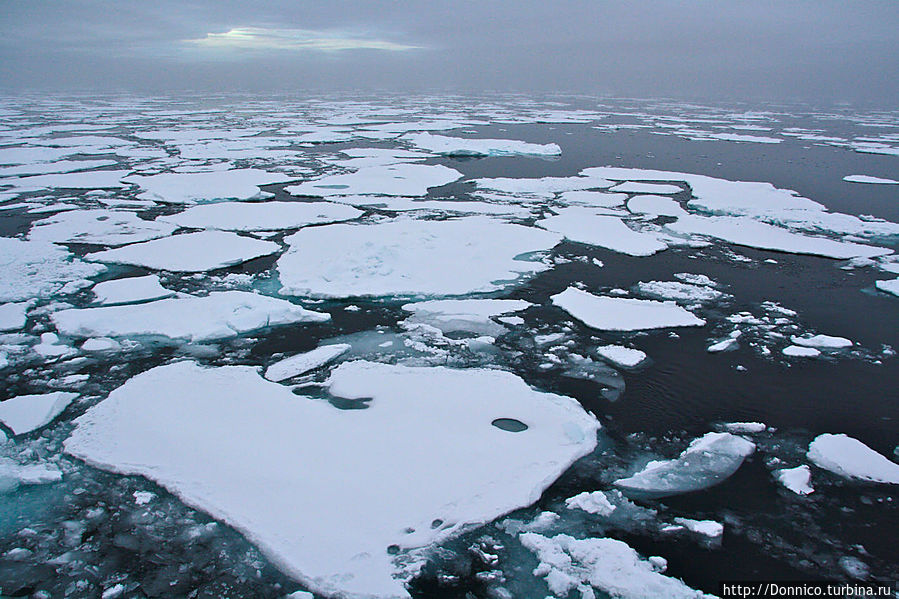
(293, 40)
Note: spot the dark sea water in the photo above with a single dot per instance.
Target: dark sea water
(82, 536)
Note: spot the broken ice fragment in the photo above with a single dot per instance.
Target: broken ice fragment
(303, 363)
(623, 314)
(850, 458)
(25, 413)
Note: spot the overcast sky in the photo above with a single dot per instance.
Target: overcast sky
(830, 51)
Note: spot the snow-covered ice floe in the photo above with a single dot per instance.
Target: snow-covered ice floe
(468, 315)
(585, 225)
(822, 341)
(390, 180)
(458, 146)
(623, 357)
(25, 413)
(707, 461)
(261, 216)
(607, 565)
(623, 314)
(869, 179)
(303, 363)
(13, 316)
(130, 290)
(400, 258)
(219, 315)
(32, 269)
(190, 252)
(850, 458)
(100, 227)
(798, 479)
(332, 496)
(888, 286)
(190, 188)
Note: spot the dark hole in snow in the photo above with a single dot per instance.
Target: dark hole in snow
(393, 549)
(510, 424)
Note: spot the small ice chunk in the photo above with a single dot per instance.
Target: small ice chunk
(682, 292)
(618, 355)
(13, 316)
(13, 474)
(191, 252)
(694, 279)
(609, 565)
(100, 344)
(848, 457)
(303, 363)
(219, 315)
(707, 461)
(822, 341)
(50, 347)
(623, 314)
(796, 351)
(130, 290)
(797, 480)
(654, 188)
(592, 503)
(25, 413)
(300, 595)
(584, 225)
(723, 345)
(745, 427)
(709, 528)
(468, 315)
(143, 497)
(869, 179)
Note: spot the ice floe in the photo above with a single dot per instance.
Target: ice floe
(679, 292)
(797, 351)
(655, 206)
(189, 188)
(707, 461)
(13, 316)
(294, 480)
(101, 227)
(623, 314)
(389, 180)
(303, 363)
(608, 565)
(398, 258)
(708, 528)
(190, 252)
(584, 225)
(798, 479)
(220, 315)
(32, 269)
(13, 474)
(458, 146)
(649, 188)
(262, 216)
(130, 290)
(592, 503)
(850, 458)
(26, 413)
(869, 179)
(468, 315)
(822, 341)
(888, 286)
(623, 357)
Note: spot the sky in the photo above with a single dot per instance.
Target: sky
(821, 51)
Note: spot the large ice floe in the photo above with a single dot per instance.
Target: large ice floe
(401, 257)
(850, 458)
(190, 252)
(189, 188)
(219, 315)
(623, 314)
(707, 461)
(585, 225)
(100, 227)
(389, 180)
(31, 269)
(458, 146)
(603, 564)
(336, 497)
(261, 216)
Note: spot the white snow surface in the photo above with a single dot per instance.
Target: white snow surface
(592, 503)
(584, 225)
(822, 341)
(653, 188)
(888, 286)
(796, 351)
(303, 363)
(604, 564)
(31, 269)
(219, 315)
(472, 315)
(389, 180)
(101, 227)
(619, 355)
(190, 252)
(130, 290)
(190, 188)
(850, 458)
(623, 314)
(709, 528)
(707, 461)
(401, 257)
(325, 493)
(655, 206)
(261, 216)
(25, 413)
(869, 179)
(797, 480)
(459, 146)
(683, 292)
